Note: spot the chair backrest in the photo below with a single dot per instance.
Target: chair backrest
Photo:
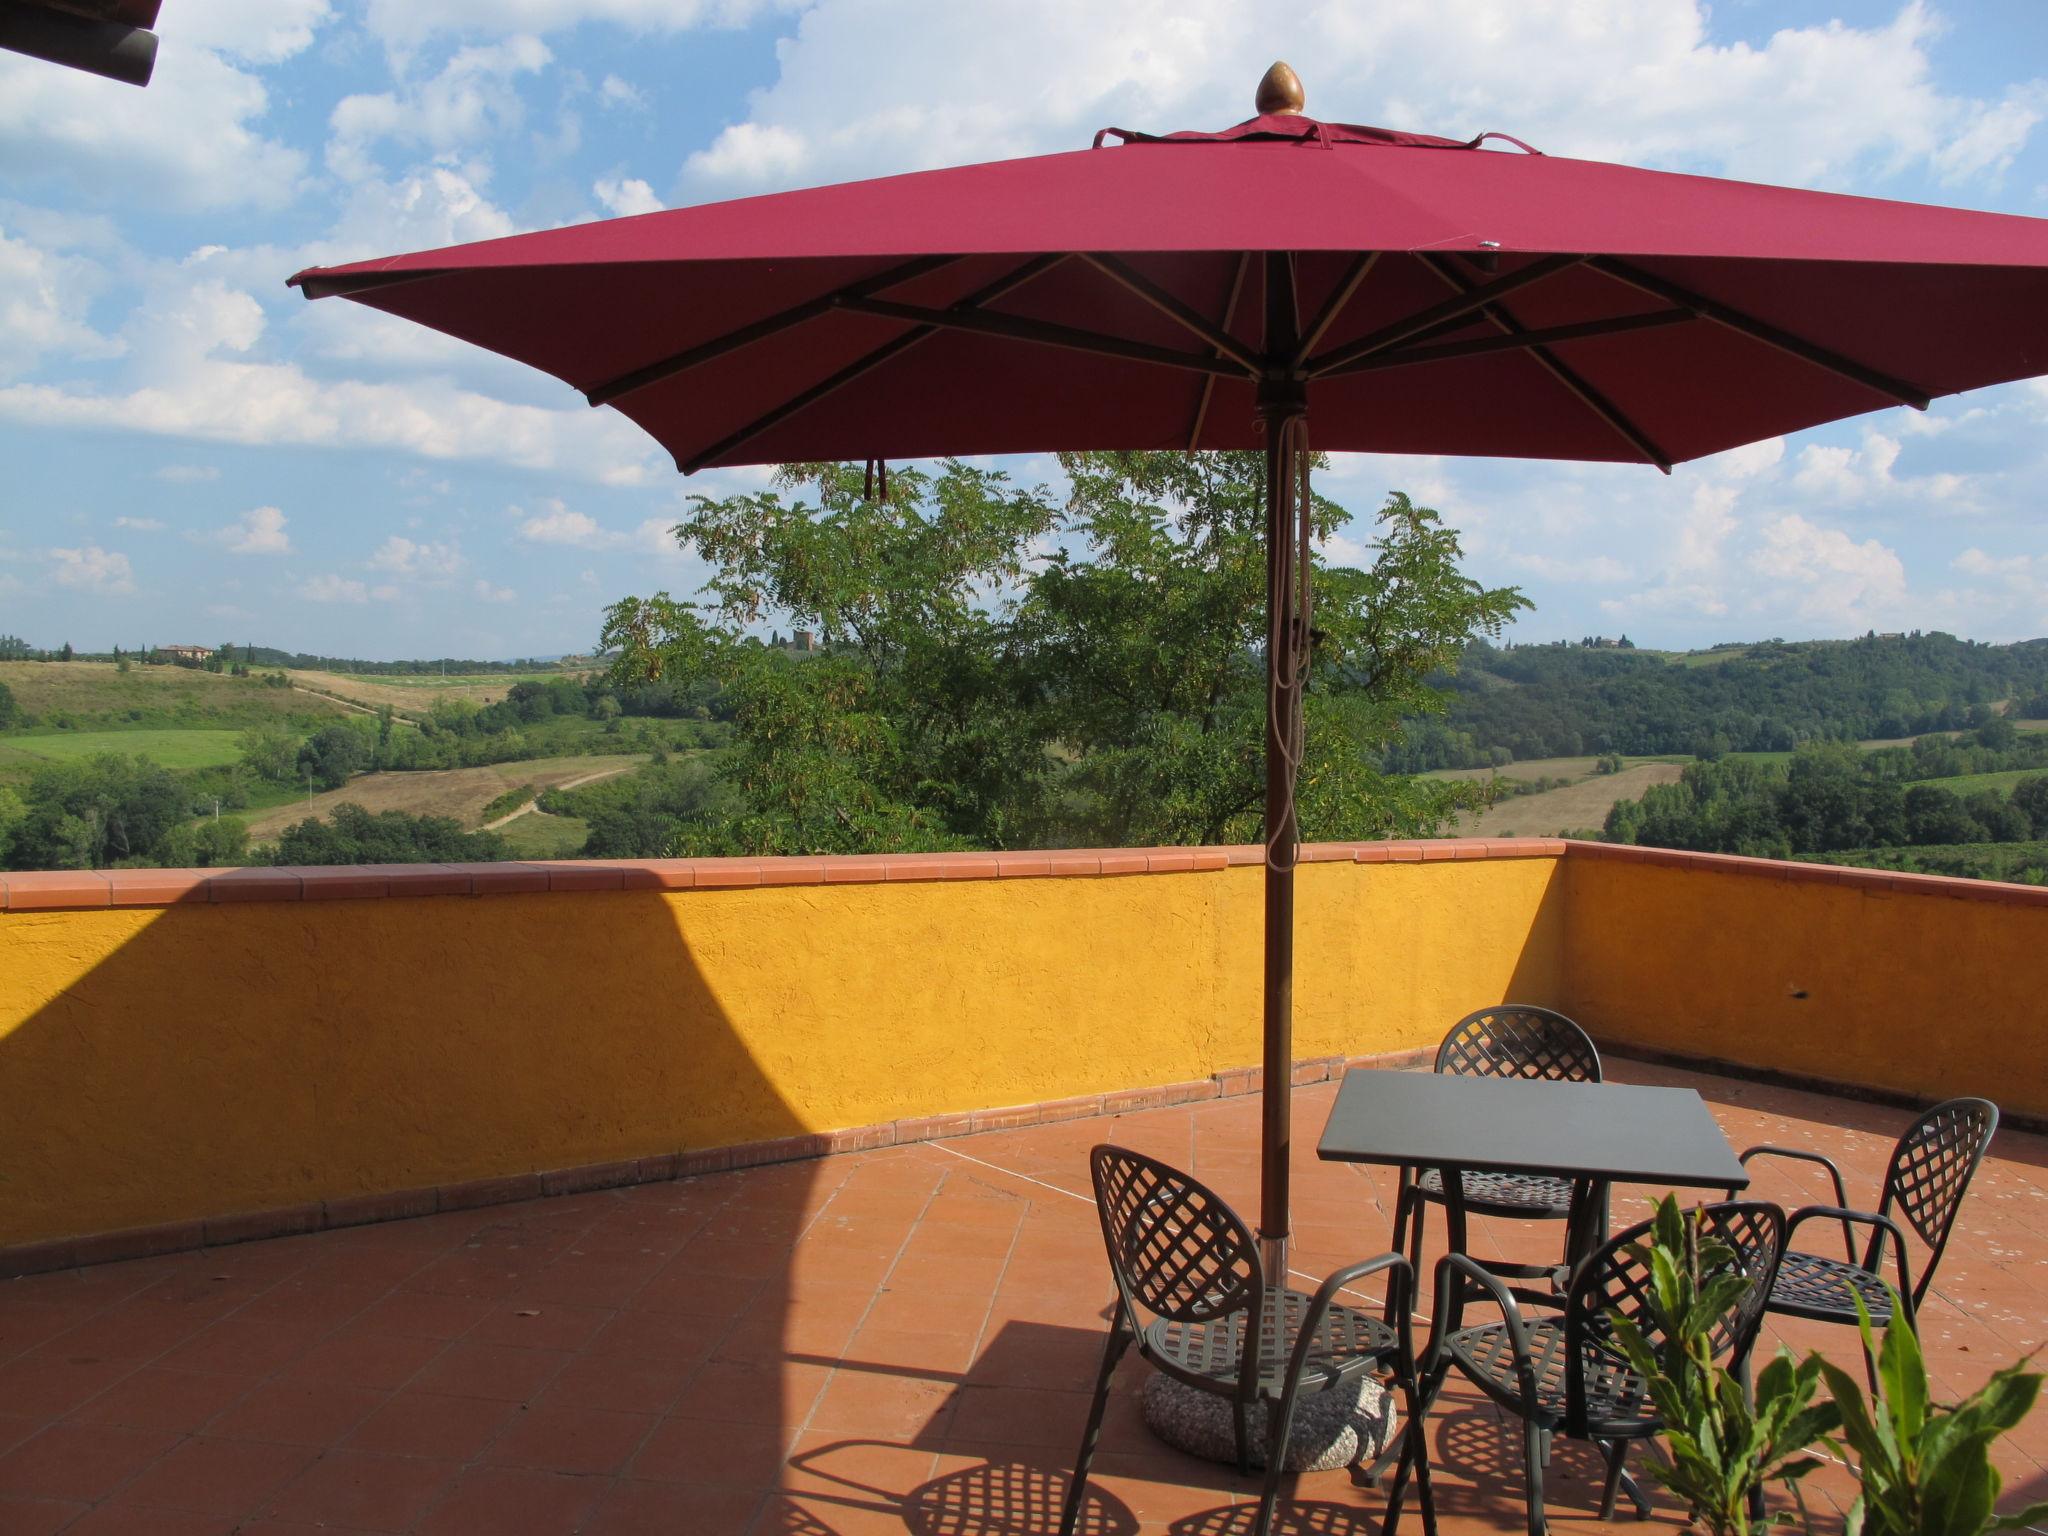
(1931, 1170)
(1519, 1040)
(1174, 1247)
(1617, 1280)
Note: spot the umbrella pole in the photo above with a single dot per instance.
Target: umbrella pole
(1283, 411)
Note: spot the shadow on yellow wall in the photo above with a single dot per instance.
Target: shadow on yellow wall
(203, 1060)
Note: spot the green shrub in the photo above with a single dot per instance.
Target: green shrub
(508, 802)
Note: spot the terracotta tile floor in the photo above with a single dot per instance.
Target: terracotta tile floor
(897, 1340)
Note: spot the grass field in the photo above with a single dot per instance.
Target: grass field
(458, 792)
(1970, 783)
(416, 695)
(541, 836)
(97, 695)
(443, 681)
(166, 748)
(1577, 806)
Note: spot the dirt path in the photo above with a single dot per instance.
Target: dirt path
(335, 698)
(534, 803)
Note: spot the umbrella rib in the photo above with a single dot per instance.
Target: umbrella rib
(682, 362)
(1619, 325)
(1244, 261)
(1762, 330)
(1009, 282)
(316, 286)
(1020, 328)
(1334, 305)
(1591, 398)
(1466, 302)
(1143, 287)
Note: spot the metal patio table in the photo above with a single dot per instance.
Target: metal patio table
(1595, 1134)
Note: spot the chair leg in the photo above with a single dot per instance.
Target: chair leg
(1077, 1491)
(1532, 1473)
(1414, 1449)
(1407, 1209)
(1418, 1208)
(1279, 1421)
(1238, 1412)
(1616, 1452)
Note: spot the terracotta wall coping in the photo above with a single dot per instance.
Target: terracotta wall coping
(1890, 882)
(76, 889)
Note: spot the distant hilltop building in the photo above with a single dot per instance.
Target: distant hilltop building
(804, 640)
(186, 652)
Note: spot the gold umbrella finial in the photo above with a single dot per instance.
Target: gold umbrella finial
(1280, 92)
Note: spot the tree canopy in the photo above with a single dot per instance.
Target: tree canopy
(1003, 670)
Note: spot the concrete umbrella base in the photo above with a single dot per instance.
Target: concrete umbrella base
(1331, 1429)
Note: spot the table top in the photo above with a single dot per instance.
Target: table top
(1614, 1131)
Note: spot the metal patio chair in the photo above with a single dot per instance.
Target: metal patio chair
(1565, 1374)
(1511, 1040)
(1191, 1294)
(1930, 1171)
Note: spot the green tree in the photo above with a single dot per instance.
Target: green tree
(10, 712)
(2030, 795)
(270, 752)
(333, 755)
(106, 810)
(352, 835)
(998, 671)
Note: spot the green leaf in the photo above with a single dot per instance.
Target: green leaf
(1902, 1374)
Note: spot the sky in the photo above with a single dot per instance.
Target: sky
(192, 453)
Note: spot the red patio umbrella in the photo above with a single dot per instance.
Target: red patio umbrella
(1407, 293)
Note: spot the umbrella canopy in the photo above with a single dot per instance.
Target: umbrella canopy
(1453, 299)
(1409, 293)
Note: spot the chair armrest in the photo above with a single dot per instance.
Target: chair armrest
(1400, 1291)
(1449, 1270)
(1799, 1154)
(1885, 1227)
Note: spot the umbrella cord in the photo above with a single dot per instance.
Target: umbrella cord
(1288, 635)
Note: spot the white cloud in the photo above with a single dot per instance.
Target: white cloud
(329, 588)
(190, 378)
(44, 299)
(614, 92)
(872, 86)
(1825, 576)
(1596, 569)
(752, 154)
(472, 98)
(626, 195)
(260, 31)
(555, 523)
(1835, 473)
(191, 142)
(92, 569)
(404, 24)
(487, 593)
(139, 524)
(259, 531)
(417, 562)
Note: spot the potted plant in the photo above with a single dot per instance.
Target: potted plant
(1925, 1468)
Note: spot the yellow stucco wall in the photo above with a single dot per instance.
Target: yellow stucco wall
(161, 1065)
(1921, 992)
